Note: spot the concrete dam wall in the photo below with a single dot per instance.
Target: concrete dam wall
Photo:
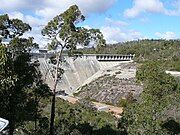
(77, 70)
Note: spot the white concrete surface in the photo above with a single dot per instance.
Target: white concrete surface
(80, 71)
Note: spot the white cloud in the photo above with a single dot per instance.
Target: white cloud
(41, 11)
(112, 30)
(152, 6)
(176, 10)
(32, 21)
(166, 35)
(87, 27)
(36, 25)
(141, 6)
(94, 6)
(16, 15)
(50, 8)
(144, 20)
(14, 5)
(38, 38)
(11, 4)
(54, 7)
(115, 31)
(115, 34)
(117, 23)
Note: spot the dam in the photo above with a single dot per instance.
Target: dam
(78, 69)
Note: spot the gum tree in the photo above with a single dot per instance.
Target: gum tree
(20, 82)
(64, 34)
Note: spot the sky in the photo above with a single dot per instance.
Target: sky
(118, 20)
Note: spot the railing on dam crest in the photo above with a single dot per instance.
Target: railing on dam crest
(99, 57)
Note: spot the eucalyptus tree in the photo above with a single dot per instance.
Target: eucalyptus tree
(64, 34)
(18, 75)
(12, 28)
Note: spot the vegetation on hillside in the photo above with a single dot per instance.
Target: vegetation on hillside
(83, 119)
(167, 52)
(73, 119)
(157, 109)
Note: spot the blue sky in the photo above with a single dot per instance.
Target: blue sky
(118, 20)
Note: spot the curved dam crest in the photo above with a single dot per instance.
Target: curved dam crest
(78, 70)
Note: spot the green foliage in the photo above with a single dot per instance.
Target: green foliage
(71, 119)
(172, 126)
(160, 95)
(149, 70)
(156, 81)
(63, 29)
(10, 28)
(21, 87)
(22, 44)
(122, 103)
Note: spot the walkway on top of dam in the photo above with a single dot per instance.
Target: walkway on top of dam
(99, 57)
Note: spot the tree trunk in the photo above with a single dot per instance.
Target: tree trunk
(12, 114)
(11, 127)
(35, 121)
(58, 56)
(52, 115)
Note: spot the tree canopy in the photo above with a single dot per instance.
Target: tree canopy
(62, 31)
(20, 81)
(152, 110)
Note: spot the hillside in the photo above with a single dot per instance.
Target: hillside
(156, 108)
(167, 52)
(112, 85)
(111, 89)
